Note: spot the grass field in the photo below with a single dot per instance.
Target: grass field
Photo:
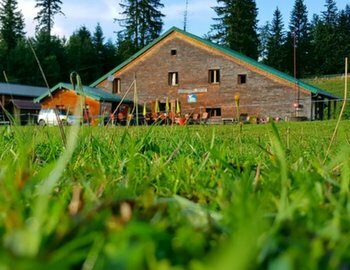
(196, 197)
(334, 85)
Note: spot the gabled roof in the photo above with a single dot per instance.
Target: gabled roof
(92, 92)
(21, 90)
(227, 51)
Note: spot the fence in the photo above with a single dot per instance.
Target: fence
(325, 77)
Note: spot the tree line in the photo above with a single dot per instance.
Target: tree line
(316, 47)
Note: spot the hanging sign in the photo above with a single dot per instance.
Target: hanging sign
(192, 98)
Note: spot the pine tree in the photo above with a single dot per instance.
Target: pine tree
(343, 30)
(330, 15)
(275, 53)
(105, 53)
(142, 21)
(264, 35)
(299, 33)
(98, 39)
(236, 26)
(52, 55)
(325, 40)
(11, 24)
(81, 54)
(45, 17)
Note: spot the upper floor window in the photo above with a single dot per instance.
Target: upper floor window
(116, 86)
(214, 76)
(173, 52)
(173, 78)
(242, 78)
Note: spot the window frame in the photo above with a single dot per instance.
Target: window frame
(173, 52)
(171, 79)
(214, 76)
(242, 79)
(214, 112)
(116, 86)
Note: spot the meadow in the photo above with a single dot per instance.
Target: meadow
(193, 197)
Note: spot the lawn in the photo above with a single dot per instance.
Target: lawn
(196, 197)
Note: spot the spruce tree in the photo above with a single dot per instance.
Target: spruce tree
(343, 30)
(98, 39)
(299, 31)
(105, 53)
(264, 34)
(275, 53)
(81, 54)
(52, 56)
(142, 21)
(325, 40)
(330, 15)
(236, 26)
(11, 24)
(46, 14)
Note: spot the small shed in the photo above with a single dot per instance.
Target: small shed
(96, 101)
(26, 111)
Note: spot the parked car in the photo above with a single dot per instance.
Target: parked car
(73, 119)
(48, 117)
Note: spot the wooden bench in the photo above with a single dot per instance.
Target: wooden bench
(227, 120)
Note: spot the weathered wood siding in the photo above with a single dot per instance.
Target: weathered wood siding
(263, 95)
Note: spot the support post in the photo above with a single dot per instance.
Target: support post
(312, 109)
(322, 109)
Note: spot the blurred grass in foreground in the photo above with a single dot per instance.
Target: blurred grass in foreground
(197, 197)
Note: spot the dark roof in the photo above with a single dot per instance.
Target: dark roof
(230, 52)
(21, 90)
(25, 104)
(91, 92)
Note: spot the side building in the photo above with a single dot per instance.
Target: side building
(204, 77)
(97, 103)
(17, 100)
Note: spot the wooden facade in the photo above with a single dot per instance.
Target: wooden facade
(95, 103)
(206, 78)
(68, 100)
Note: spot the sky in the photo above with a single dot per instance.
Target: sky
(200, 14)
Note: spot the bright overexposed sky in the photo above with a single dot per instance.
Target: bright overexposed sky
(200, 14)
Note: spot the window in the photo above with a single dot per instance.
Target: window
(116, 86)
(214, 76)
(162, 106)
(173, 52)
(214, 112)
(173, 78)
(242, 79)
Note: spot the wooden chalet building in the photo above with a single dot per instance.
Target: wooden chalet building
(206, 77)
(96, 102)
